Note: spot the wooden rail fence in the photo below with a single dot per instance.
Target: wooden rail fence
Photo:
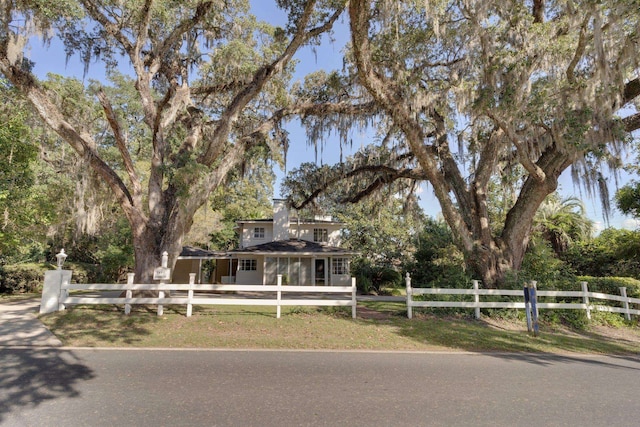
(264, 295)
(584, 296)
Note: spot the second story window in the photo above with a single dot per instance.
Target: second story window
(320, 235)
(258, 233)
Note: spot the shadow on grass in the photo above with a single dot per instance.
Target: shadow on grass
(479, 336)
(97, 324)
(32, 376)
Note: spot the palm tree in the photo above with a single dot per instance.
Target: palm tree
(562, 221)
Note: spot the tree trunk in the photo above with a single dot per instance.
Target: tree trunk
(493, 263)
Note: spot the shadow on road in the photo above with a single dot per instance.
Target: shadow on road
(32, 376)
(625, 362)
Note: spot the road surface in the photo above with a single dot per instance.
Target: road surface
(96, 387)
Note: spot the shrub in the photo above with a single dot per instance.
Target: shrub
(541, 264)
(371, 278)
(612, 285)
(22, 278)
(29, 277)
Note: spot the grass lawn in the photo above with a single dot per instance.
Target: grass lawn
(379, 326)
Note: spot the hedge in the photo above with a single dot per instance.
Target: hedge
(21, 278)
(611, 285)
(29, 278)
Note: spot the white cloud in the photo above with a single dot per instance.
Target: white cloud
(631, 224)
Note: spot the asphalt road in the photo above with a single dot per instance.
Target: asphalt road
(77, 387)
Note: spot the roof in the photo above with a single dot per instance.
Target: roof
(190, 252)
(292, 246)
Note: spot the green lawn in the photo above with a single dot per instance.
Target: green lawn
(378, 327)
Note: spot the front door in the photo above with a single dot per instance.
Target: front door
(321, 271)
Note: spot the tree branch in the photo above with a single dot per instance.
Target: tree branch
(386, 175)
(631, 123)
(111, 28)
(261, 77)
(121, 144)
(631, 90)
(523, 157)
(383, 92)
(582, 43)
(54, 118)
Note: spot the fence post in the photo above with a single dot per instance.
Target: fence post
(129, 293)
(354, 300)
(533, 297)
(160, 306)
(527, 307)
(476, 298)
(162, 273)
(407, 281)
(192, 281)
(279, 295)
(627, 313)
(585, 298)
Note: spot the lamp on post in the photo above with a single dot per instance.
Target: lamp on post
(61, 257)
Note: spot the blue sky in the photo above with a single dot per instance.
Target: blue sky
(327, 56)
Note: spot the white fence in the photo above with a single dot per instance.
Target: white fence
(584, 296)
(264, 295)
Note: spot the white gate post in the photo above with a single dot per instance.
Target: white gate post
(407, 281)
(476, 298)
(163, 274)
(623, 292)
(129, 293)
(354, 300)
(279, 295)
(585, 298)
(192, 281)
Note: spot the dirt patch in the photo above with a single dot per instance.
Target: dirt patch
(370, 314)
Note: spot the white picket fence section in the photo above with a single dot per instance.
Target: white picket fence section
(263, 295)
(583, 295)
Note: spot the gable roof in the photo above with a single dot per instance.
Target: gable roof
(291, 247)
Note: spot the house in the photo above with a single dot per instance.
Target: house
(191, 260)
(303, 251)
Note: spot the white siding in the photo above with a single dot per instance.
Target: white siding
(247, 234)
(306, 232)
(340, 280)
(250, 277)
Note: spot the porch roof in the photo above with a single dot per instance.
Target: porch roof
(296, 247)
(190, 252)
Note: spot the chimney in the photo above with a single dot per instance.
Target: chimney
(280, 220)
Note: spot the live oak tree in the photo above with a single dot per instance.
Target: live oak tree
(208, 78)
(469, 94)
(17, 178)
(627, 198)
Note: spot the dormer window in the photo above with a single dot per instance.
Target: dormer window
(320, 235)
(258, 233)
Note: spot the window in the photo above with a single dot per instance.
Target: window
(320, 235)
(340, 266)
(258, 233)
(248, 265)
